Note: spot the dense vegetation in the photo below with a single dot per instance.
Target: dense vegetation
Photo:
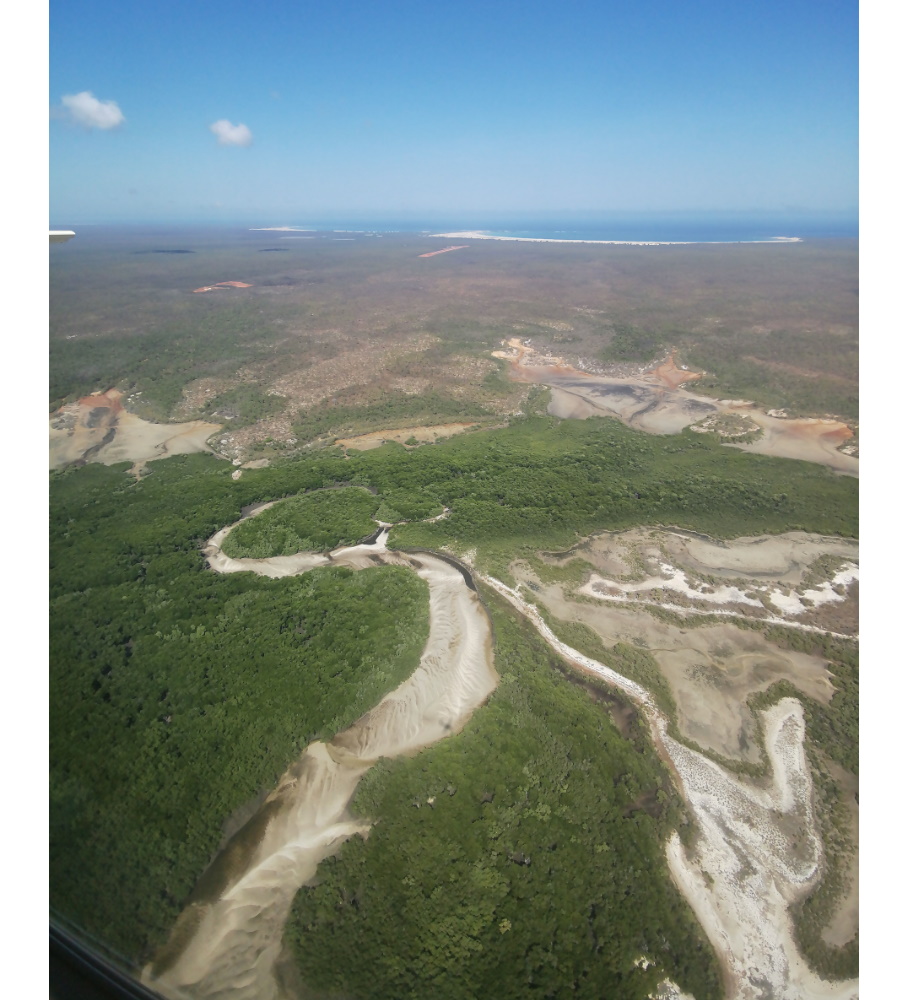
(384, 411)
(537, 868)
(631, 344)
(161, 726)
(801, 372)
(314, 522)
(177, 694)
(544, 483)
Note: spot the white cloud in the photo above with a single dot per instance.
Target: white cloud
(84, 109)
(231, 135)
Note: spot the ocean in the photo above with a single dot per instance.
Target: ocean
(639, 227)
(629, 228)
(667, 230)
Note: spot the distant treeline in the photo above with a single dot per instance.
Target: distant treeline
(159, 360)
(778, 324)
(804, 373)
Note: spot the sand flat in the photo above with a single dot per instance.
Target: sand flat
(375, 439)
(98, 428)
(656, 404)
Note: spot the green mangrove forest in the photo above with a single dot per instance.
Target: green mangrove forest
(521, 857)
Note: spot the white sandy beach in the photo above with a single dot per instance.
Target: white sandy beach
(479, 235)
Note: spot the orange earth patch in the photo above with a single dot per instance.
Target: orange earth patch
(110, 400)
(434, 253)
(672, 375)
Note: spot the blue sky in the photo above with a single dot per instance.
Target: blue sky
(417, 108)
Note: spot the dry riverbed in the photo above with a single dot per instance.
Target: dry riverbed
(228, 940)
(758, 849)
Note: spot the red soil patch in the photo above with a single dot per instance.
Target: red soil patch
(671, 375)
(816, 429)
(434, 253)
(841, 434)
(539, 373)
(110, 400)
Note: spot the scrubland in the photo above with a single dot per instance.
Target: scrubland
(527, 851)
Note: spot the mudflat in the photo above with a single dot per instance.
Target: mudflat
(655, 403)
(98, 428)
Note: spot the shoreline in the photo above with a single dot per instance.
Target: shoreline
(481, 235)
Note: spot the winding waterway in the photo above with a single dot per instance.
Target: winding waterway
(758, 850)
(227, 942)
